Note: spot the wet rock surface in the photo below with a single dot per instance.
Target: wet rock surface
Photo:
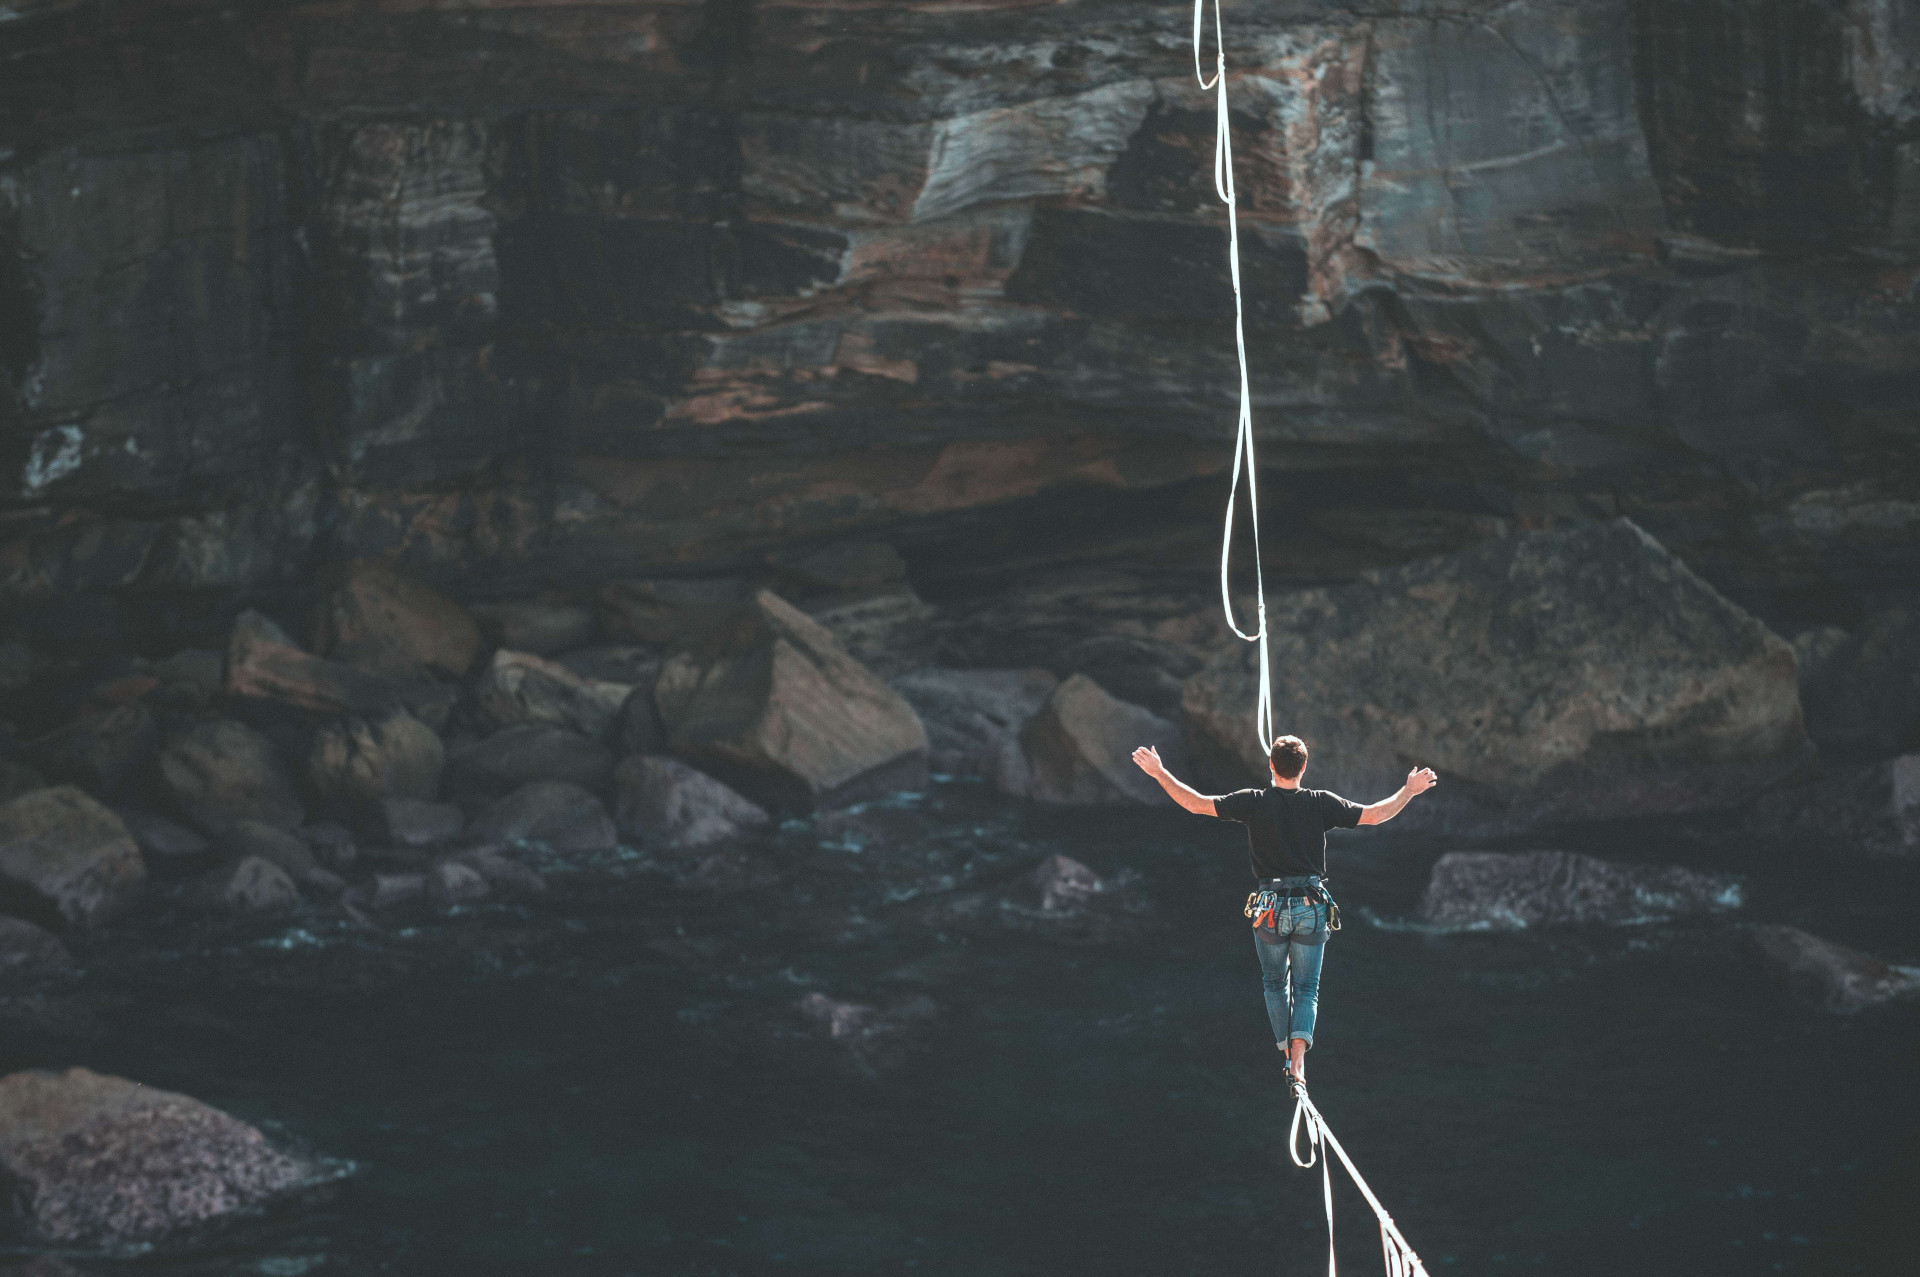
(1558, 888)
(974, 718)
(220, 771)
(66, 855)
(664, 802)
(102, 1162)
(1079, 747)
(1832, 977)
(562, 816)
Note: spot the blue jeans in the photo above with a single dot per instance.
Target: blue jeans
(1290, 967)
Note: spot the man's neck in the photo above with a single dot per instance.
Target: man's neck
(1278, 783)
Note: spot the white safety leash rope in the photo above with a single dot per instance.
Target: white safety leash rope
(1394, 1247)
(1243, 436)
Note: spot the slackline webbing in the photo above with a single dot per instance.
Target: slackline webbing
(1243, 434)
(1400, 1258)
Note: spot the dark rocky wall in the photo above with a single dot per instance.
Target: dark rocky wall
(533, 294)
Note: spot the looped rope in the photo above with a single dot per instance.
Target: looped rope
(1394, 1248)
(1243, 434)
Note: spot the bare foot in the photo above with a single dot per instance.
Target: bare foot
(1297, 1058)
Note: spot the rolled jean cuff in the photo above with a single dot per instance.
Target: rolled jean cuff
(1304, 1037)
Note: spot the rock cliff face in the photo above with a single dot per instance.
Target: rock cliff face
(527, 294)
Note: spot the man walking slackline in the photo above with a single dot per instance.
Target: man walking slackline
(1287, 843)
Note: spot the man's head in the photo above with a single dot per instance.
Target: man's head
(1288, 757)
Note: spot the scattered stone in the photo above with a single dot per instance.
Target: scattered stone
(974, 717)
(1829, 976)
(17, 779)
(262, 662)
(843, 566)
(561, 816)
(102, 1162)
(666, 611)
(540, 626)
(770, 703)
(731, 869)
(1064, 883)
(100, 751)
(246, 838)
(65, 855)
(29, 953)
(379, 619)
(355, 764)
(520, 689)
(503, 872)
(451, 883)
(220, 771)
(875, 1039)
(1567, 675)
(162, 841)
(413, 823)
(332, 845)
(666, 803)
(252, 884)
(506, 760)
(388, 891)
(1502, 891)
(1080, 745)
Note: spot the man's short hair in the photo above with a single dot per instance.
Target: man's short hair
(1288, 756)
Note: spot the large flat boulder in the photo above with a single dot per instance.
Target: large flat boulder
(263, 662)
(379, 619)
(770, 703)
(520, 689)
(974, 717)
(64, 855)
(1832, 976)
(663, 802)
(1079, 747)
(356, 763)
(220, 771)
(103, 1162)
(1507, 891)
(1578, 674)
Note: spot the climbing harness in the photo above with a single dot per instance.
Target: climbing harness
(1265, 904)
(1243, 434)
(1400, 1259)
(1261, 905)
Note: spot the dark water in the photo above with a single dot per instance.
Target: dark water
(613, 1080)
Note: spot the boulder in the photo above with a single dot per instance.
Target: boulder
(1502, 891)
(17, 779)
(666, 611)
(332, 845)
(503, 872)
(409, 822)
(162, 841)
(1862, 690)
(250, 885)
(29, 953)
(388, 891)
(357, 763)
(1906, 800)
(1829, 976)
(560, 816)
(876, 1039)
(634, 663)
(541, 626)
(451, 882)
(1578, 674)
(63, 855)
(640, 730)
(974, 717)
(842, 566)
(1064, 883)
(262, 662)
(192, 678)
(375, 617)
(220, 771)
(101, 1162)
(770, 702)
(663, 802)
(100, 751)
(250, 839)
(1079, 747)
(523, 690)
(506, 760)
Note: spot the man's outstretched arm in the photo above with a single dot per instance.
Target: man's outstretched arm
(1147, 758)
(1419, 781)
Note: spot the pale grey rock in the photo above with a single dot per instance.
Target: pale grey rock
(162, 841)
(503, 872)
(389, 891)
(220, 771)
(1584, 674)
(663, 802)
(1503, 891)
(771, 704)
(250, 885)
(103, 1162)
(1079, 747)
(523, 690)
(1064, 883)
(557, 815)
(508, 759)
(69, 856)
(1829, 976)
(251, 839)
(452, 882)
(411, 822)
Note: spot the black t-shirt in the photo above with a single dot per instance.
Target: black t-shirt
(1287, 828)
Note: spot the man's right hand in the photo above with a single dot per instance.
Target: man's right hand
(1420, 780)
(1147, 759)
